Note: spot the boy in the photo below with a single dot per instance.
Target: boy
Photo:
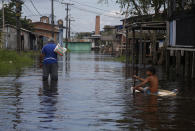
(152, 79)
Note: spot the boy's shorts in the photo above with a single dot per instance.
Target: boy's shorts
(147, 91)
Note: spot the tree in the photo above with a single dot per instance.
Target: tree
(142, 7)
(10, 16)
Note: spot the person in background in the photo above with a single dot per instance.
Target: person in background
(50, 61)
(151, 79)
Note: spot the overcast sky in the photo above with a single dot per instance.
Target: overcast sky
(83, 12)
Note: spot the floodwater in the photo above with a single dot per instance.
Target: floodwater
(93, 96)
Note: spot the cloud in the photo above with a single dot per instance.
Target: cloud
(111, 18)
(114, 13)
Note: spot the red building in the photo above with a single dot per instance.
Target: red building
(44, 28)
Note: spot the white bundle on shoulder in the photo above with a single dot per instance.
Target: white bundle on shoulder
(60, 50)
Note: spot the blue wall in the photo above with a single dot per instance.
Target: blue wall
(79, 46)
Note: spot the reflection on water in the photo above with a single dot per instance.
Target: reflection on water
(93, 96)
(50, 88)
(48, 99)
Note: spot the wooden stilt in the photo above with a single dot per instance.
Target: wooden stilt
(193, 65)
(167, 60)
(141, 48)
(127, 49)
(178, 62)
(140, 55)
(133, 49)
(144, 53)
(186, 74)
(154, 52)
(133, 58)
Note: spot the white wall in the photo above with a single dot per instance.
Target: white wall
(11, 38)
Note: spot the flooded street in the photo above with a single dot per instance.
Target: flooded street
(93, 96)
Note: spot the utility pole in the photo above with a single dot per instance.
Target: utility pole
(69, 28)
(3, 28)
(52, 18)
(67, 22)
(18, 24)
(67, 58)
(67, 9)
(3, 14)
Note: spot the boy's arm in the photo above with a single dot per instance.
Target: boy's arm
(139, 78)
(143, 83)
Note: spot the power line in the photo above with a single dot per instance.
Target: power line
(86, 10)
(25, 10)
(38, 15)
(35, 7)
(90, 11)
(25, 5)
(94, 12)
(89, 6)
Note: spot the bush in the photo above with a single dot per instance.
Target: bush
(121, 58)
(11, 61)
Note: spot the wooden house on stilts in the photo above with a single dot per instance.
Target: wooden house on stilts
(181, 37)
(145, 39)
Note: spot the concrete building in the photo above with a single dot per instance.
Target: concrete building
(28, 38)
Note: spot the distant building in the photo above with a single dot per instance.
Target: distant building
(44, 19)
(82, 37)
(29, 20)
(44, 28)
(111, 39)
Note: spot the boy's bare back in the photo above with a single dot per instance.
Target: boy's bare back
(153, 81)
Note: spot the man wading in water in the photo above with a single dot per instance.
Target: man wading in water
(152, 79)
(50, 66)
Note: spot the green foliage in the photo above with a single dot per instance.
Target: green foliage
(10, 16)
(121, 58)
(142, 7)
(103, 1)
(11, 61)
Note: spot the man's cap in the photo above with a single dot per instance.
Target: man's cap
(51, 40)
